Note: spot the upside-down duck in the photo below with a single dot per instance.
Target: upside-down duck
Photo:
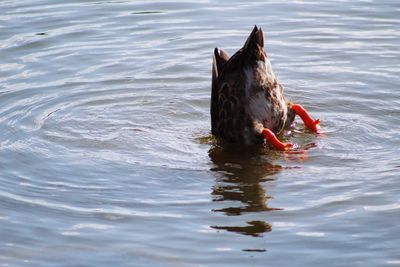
(247, 101)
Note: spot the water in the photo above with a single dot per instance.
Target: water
(106, 157)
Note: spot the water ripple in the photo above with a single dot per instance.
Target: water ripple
(104, 137)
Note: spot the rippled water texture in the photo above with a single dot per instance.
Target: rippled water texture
(105, 150)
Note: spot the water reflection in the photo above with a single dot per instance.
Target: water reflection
(240, 173)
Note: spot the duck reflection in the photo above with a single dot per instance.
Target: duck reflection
(240, 174)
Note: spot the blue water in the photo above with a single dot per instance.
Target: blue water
(106, 156)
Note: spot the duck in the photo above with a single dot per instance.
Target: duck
(248, 105)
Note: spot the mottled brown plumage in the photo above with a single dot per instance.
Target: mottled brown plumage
(246, 95)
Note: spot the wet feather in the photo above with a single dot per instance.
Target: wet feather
(246, 95)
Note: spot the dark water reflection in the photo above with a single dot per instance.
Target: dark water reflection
(240, 175)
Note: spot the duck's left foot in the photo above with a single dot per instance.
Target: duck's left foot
(313, 125)
(271, 138)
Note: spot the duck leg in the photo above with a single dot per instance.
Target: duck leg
(313, 125)
(271, 138)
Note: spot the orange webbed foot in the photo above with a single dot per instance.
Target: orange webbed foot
(271, 138)
(313, 125)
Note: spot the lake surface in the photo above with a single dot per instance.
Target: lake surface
(106, 157)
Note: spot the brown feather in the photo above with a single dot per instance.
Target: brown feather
(246, 96)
